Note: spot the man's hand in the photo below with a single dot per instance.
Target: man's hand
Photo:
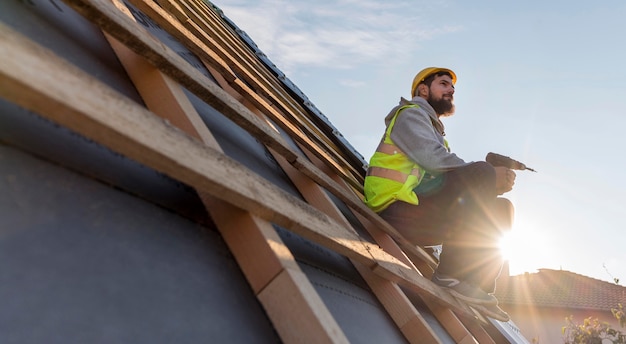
(505, 179)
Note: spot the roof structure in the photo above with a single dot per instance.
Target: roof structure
(160, 178)
(559, 288)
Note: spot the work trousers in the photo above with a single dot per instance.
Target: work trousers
(463, 213)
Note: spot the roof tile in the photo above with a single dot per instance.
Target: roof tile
(559, 288)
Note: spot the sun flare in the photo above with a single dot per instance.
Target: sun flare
(507, 245)
(526, 249)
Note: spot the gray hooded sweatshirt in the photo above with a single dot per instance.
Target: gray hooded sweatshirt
(418, 132)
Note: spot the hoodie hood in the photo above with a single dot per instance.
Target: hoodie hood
(422, 103)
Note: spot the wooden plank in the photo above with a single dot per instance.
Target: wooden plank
(291, 302)
(416, 331)
(450, 322)
(411, 323)
(265, 261)
(276, 294)
(255, 244)
(35, 78)
(478, 331)
(161, 94)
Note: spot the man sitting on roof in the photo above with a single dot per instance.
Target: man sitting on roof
(432, 196)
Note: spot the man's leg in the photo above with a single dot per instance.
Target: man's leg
(470, 242)
(471, 249)
(502, 216)
(459, 214)
(420, 224)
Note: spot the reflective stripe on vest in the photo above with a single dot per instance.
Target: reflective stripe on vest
(394, 175)
(388, 173)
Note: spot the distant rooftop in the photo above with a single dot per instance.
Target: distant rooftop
(559, 288)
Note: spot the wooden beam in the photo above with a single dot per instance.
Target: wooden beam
(291, 302)
(478, 331)
(411, 323)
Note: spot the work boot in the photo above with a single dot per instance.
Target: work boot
(492, 311)
(463, 290)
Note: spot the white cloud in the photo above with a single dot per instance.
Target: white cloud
(334, 34)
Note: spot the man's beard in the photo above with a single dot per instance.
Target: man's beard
(443, 107)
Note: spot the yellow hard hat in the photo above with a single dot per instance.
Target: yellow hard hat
(425, 73)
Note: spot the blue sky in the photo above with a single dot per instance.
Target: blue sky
(541, 81)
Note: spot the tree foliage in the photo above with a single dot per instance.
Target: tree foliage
(593, 331)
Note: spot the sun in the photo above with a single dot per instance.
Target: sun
(507, 245)
(526, 248)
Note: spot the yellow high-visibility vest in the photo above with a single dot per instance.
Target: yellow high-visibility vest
(391, 176)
